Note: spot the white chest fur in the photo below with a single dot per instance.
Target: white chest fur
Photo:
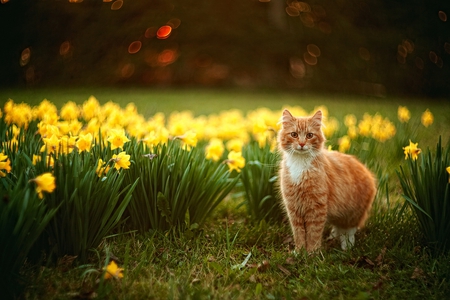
(297, 165)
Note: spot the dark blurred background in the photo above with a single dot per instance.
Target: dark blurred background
(372, 47)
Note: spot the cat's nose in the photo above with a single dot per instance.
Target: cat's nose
(302, 144)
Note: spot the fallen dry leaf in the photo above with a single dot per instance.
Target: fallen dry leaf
(284, 270)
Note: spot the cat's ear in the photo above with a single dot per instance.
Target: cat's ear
(317, 118)
(286, 117)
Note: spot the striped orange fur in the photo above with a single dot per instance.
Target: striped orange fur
(320, 186)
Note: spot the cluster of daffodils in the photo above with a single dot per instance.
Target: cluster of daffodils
(404, 115)
(370, 126)
(412, 150)
(80, 127)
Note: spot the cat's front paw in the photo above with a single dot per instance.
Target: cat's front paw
(348, 239)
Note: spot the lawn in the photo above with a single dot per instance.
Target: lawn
(232, 256)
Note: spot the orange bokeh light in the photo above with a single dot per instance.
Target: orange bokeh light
(309, 59)
(442, 16)
(127, 70)
(64, 48)
(117, 5)
(164, 32)
(297, 67)
(167, 57)
(402, 51)
(308, 19)
(26, 53)
(433, 56)
(313, 50)
(447, 47)
(292, 11)
(25, 56)
(303, 6)
(134, 47)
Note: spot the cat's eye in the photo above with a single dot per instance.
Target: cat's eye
(294, 134)
(309, 135)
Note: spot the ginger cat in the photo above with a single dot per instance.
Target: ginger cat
(318, 185)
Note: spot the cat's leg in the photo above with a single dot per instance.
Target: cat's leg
(314, 231)
(298, 230)
(347, 237)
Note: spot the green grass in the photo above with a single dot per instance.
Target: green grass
(387, 261)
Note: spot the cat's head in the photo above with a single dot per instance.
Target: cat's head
(301, 135)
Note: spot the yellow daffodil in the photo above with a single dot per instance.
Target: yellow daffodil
(74, 127)
(427, 118)
(92, 126)
(157, 136)
(117, 138)
(235, 161)
(151, 138)
(214, 149)
(235, 145)
(344, 144)
(121, 160)
(330, 126)
(84, 142)
(70, 111)
(90, 108)
(46, 110)
(352, 132)
(412, 150)
(179, 122)
(50, 118)
(189, 139)
(350, 120)
(5, 165)
(264, 138)
(403, 114)
(19, 114)
(101, 169)
(47, 130)
(364, 125)
(44, 183)
(383, 130)
(113, 271)
(51, 144)
(259, 126)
